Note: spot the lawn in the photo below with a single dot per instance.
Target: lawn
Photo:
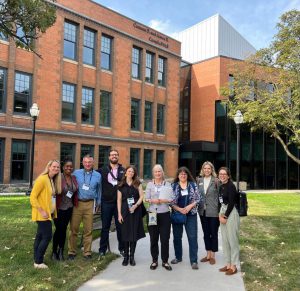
(270, 242)
(16, 248)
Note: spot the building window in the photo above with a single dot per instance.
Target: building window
(68, 102)
(135, 158)
(148, 117)
(87, 105)
(161, 76)
(22, 96)
(86, 149)
(67, 151)
(2, 89)
(1, 159)
(89, 37)
(105, 108)
(135, 114)
(160, 122)
(147, 164)
(160, 158)
(149, 67)
(19, 161)
(70, 40)
(103, 156)
(136, 63)
(3, 37)
(106, 46)
(231, 86)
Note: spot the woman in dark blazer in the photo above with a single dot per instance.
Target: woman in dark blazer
(208, 186)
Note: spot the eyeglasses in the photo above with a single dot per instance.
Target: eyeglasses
(223, 175)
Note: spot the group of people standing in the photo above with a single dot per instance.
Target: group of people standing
(73, 197)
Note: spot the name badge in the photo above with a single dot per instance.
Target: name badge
(130, 202)
(152, 218)
(53, 204)
(221, 199)
(69, 194)
(114, 182)
(184, 192)
(157, 189)
(85, 187)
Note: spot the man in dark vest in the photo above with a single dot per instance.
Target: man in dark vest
(111, 175)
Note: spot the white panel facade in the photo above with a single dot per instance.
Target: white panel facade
(213, 37)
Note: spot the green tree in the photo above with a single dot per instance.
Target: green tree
(266, 87)
(25, 20)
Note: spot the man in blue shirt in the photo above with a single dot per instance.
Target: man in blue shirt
(89, 196)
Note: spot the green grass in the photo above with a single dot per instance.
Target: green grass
(270, 242)
(17, 233)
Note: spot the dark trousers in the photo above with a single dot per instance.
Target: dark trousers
(61, 225)
(108, 211)
(210, 226)
(192, 234)
(42, 238)
(162, 231)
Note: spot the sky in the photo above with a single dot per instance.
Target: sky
(255, 20)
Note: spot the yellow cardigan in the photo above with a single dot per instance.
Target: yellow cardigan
(41, 196)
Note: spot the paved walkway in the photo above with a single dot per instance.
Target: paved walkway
(182, 277)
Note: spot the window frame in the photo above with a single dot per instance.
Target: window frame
(136, 151)
(73, 153)
(151, 68)
(161, 69)
(136, 62)
(138, 102)
(4, 91)
(163, 157)
(148, 118)
(75, 43)
(106, 151)
(88, 47)
(162, 130)
(146, 166)
(92, 153)
(109, 54)
(105, 110)
(74, 103)
(92, 118)
(29, 98)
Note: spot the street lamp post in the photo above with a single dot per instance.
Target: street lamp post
(238, 119)
(34, 112)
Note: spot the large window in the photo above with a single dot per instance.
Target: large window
(161, 76)
(22, 97)
(135, 158)
(105, 108)
(160, 158)
(86, 149)
(103, 156)
(89, 37)
(19, 161)
(147, 164)
(220, 123)
(148, 117)
(67, 151)
(87, 105)
(68, 102)
(149, 67)
(70, 40)
(2, 89)
(135, 114)
(136, 63)
(106, 49)
(1, 159)
(160, 121)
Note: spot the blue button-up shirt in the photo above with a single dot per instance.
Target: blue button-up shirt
(92, 180)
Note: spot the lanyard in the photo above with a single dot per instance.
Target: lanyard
(112, 174)
(90, 178)
(52, 186)
(68, 186)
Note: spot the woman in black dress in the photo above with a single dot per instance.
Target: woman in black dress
(130, 216)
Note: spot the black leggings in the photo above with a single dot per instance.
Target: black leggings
(61, 224)
(42, 239)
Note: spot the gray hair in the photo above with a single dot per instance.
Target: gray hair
(158, 167)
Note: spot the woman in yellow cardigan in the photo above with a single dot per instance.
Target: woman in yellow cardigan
(43, 200)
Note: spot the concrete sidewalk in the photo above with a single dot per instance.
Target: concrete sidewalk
(182, 277)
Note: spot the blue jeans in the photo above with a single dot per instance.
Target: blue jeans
(191, 229)
(108, 211)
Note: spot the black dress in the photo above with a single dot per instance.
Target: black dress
(132, 228)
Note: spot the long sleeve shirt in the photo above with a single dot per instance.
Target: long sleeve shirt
(89, 185)
(230, 196)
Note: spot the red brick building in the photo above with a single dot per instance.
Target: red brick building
(104, 81)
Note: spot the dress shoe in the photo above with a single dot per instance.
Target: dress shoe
(231, 272)
(175, 261)
(195, 266)
(212, 261)
(167, 266)
(125, 261)
(224, 269)
(132, 261)
(153, 266)
(204, 260)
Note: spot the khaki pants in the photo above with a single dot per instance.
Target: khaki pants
(83, 212)
(230, 236)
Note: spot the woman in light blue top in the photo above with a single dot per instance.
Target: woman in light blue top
(159, 195)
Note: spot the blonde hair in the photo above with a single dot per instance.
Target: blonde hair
(213, 171)
(159, 167)
(56, 179)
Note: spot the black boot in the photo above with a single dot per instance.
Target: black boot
(61, 254)
(132, 251)
(54, 256)
(126, 254)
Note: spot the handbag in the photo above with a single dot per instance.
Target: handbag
(177, 217)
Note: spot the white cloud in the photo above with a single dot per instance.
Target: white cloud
(160, 25)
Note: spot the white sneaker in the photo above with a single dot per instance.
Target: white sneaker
(40, 266)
